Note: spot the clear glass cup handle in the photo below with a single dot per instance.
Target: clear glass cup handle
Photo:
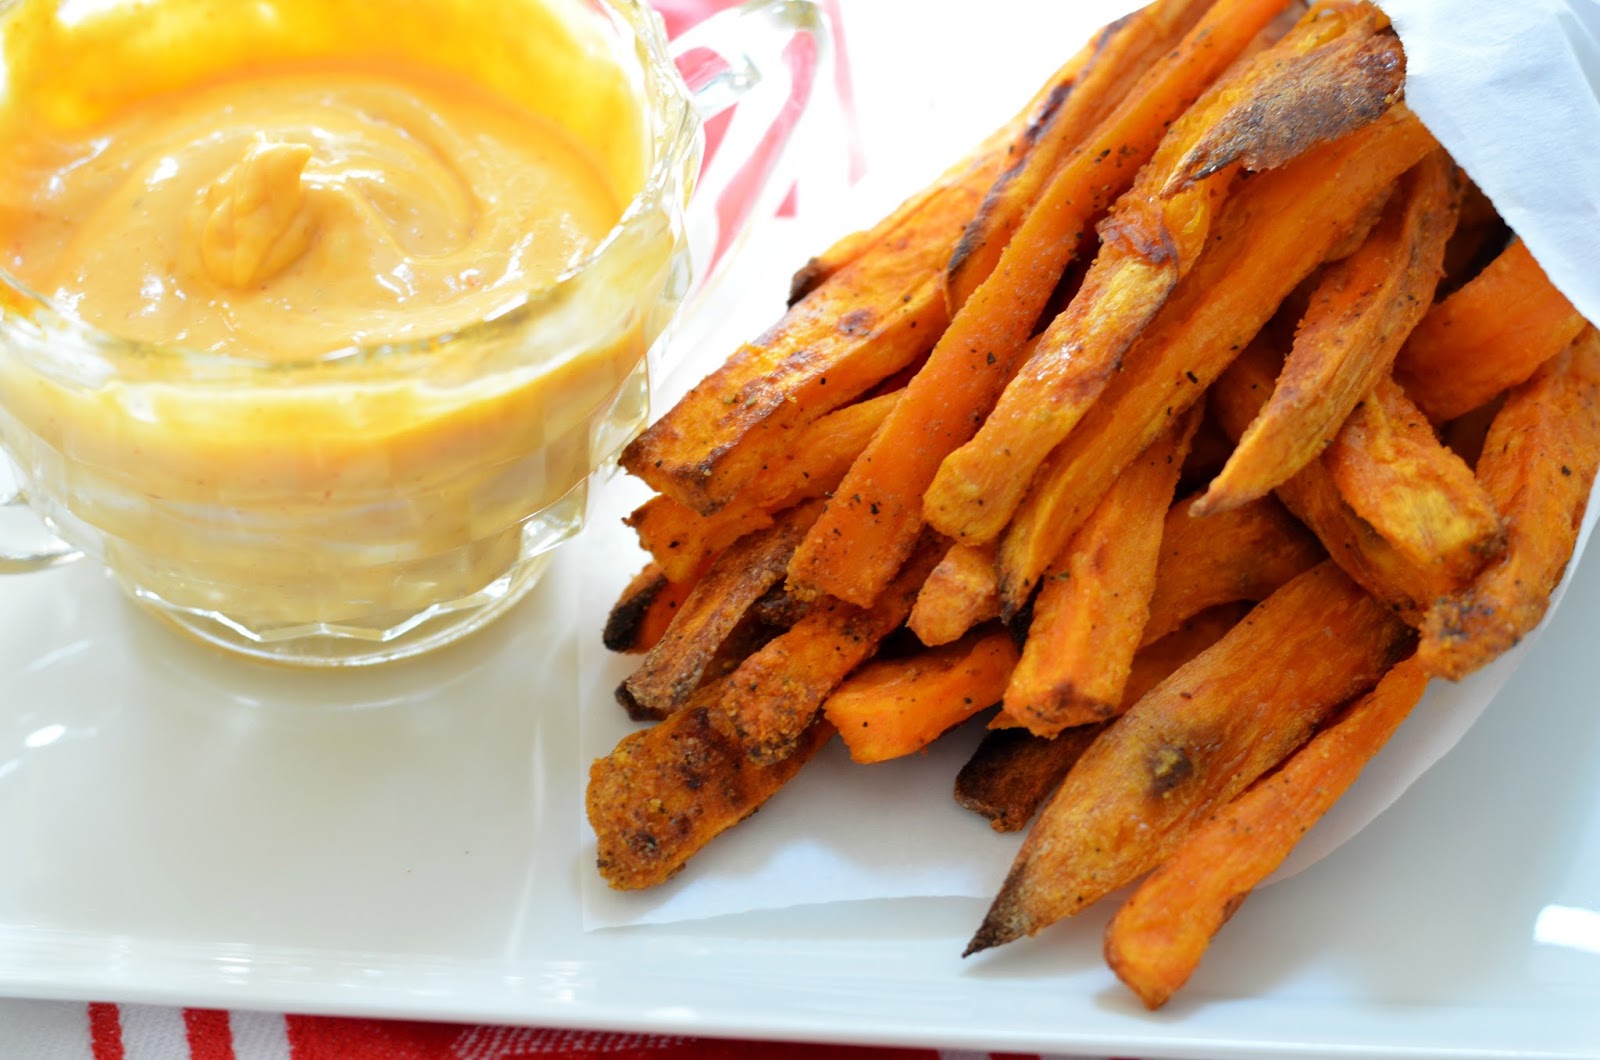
(25, 544)
(766, 58)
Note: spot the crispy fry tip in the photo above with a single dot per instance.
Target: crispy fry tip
(1009, 917)
(636, 711)
(1216, 501)
(987, 938)
(996, 930)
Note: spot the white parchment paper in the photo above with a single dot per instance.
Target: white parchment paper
(1513, 91)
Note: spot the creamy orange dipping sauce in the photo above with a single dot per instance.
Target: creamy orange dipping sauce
(284, 178)
(282, 215)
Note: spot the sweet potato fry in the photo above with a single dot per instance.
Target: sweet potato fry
(779, 609)
(641, 615)
(979, 485)
(1363, 554)
(716, 440)
(665, 792)
(873, 305)
(1193, 743)
(675, 667)
(871, 318)
(1359, 316)
(1538, 464)
(1489, 335)
(960, 593)
(710, 689)
(853, 245)
(1001, 152)
(1013, 771)
(1090, 614)
(1336, 83)
(876, 515)
(1122, 53)
(1158, 936)
(681, 539)
(1245, 554)
(1375, 564)
(1274, 232)
(774, 695)
(1160, 659)
(865, 245)
(1148, 244)
(1419, 496)
(1156, 661)
(896, 707)
(749, 632)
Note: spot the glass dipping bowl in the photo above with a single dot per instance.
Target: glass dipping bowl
(373, 502)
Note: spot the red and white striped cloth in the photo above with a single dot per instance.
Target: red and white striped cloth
(71, 1031)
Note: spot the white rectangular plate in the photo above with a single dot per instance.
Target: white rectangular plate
(183, 829)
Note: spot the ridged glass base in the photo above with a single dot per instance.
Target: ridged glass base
(381, 638)
(329, 646)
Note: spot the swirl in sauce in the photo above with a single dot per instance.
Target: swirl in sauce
(296, 213)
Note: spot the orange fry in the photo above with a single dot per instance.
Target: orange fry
(641, 615)
(1245, 554)
(896, 707)
(1538, 464)
(775, 693)
(960, 593)
(779, 609)
(1336, 83)
(1013, 771)
(1156, 940)
(1360, 314)
(1121, 53)
(871, 319)
(1419, 496)
(1193, 743)
(1021, 136)
(676, 665)
(876, 514)
(1156, 661)
(1090, 614)
(1374, 563)
(1160, 658)
(681, 539)
(831, 364)
(868, 307)
(1148, 244)
(1489, 335)
(1275, 231)
(667, 791)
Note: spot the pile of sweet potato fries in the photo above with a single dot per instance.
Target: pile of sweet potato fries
(1196, 420)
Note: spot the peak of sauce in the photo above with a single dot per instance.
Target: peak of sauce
(259, 217)
(282, 215)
